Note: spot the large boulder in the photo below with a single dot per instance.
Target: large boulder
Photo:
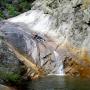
(2, 87)
(9, 64)
(55, 34)
(39, 46)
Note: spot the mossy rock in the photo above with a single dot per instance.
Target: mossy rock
(14, 78)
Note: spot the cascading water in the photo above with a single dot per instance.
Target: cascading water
(55, 23)
(38, 22)
(59, 63)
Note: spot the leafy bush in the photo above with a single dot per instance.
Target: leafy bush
(9, 8)
(1, 15)
(10, 77)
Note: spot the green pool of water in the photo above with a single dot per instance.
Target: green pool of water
(59, 83)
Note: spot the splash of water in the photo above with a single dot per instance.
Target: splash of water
(60, 69)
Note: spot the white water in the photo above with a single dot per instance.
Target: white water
(60, 69)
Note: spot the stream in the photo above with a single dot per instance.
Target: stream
(59, 83)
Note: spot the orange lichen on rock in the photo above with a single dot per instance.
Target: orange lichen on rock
(85, 55)
(39, 74)
(84, 72)
(75, 69)
(81, 53)
(79, 62)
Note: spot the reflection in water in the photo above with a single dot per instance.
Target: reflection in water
(60, 83)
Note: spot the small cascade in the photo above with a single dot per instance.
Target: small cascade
(35, 22)
(61, 70)
(57, 27)
(59, 63)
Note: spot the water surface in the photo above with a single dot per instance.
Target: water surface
(60, 83)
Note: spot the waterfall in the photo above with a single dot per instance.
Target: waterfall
(59, 63)
(38, 22)
(59, 70)
(56, 20)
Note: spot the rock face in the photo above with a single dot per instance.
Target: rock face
(9, 63)
(35, 45)
(72, 19)
(55, 34)
(2, 87)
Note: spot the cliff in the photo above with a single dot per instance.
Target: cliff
(55, 34)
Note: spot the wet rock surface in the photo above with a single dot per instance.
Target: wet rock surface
(55, 34)
(35, 45)
(2, 87)
(46, 52)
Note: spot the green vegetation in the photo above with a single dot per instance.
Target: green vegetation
(11, 8)
(10, 77)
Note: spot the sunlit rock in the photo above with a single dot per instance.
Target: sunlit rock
(55, 34)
